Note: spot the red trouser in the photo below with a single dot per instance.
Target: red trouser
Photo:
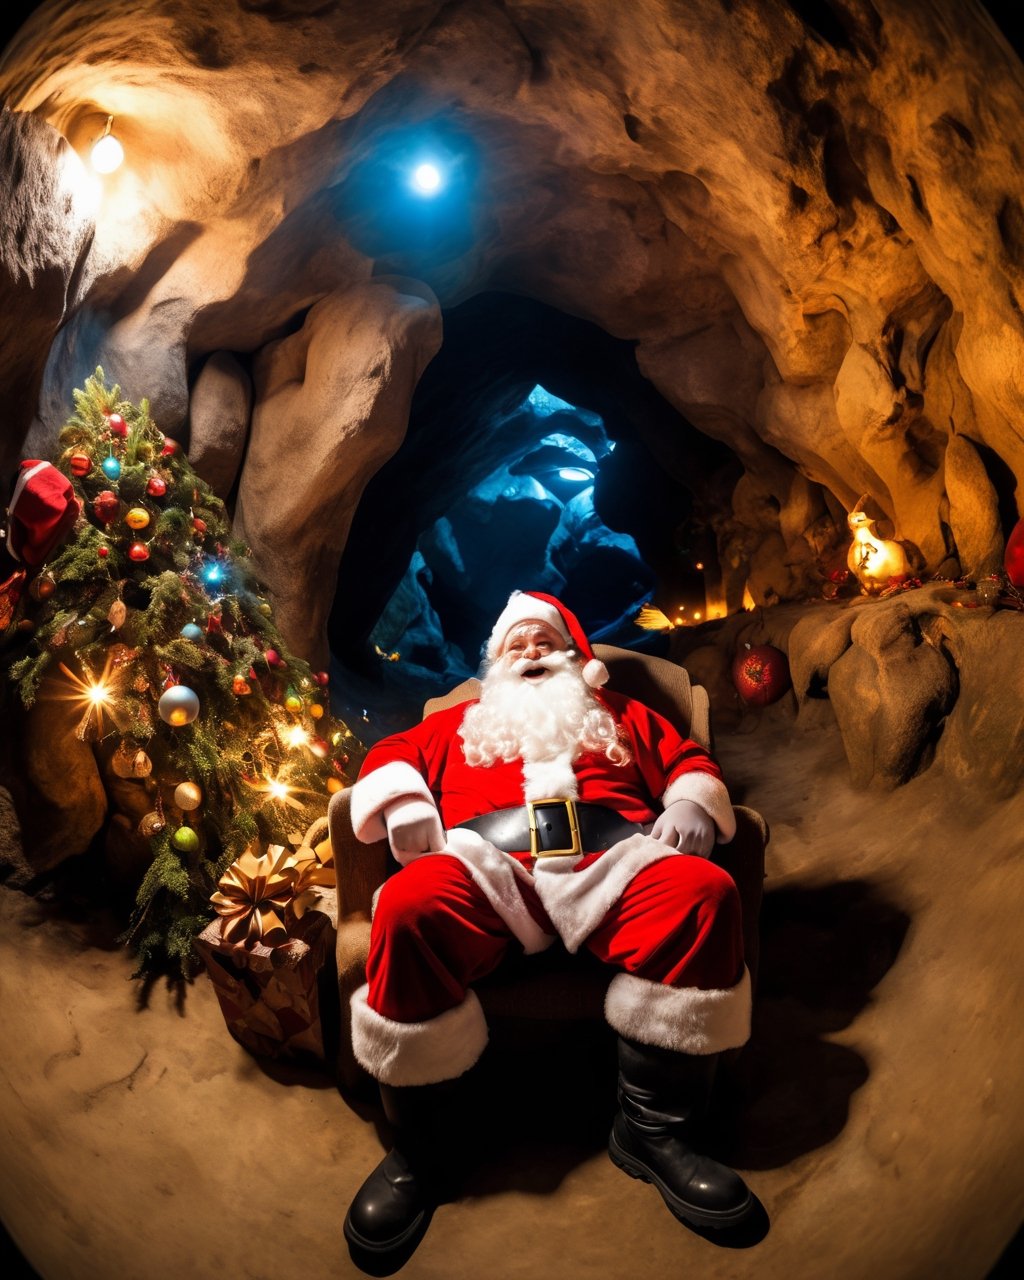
(435, 933)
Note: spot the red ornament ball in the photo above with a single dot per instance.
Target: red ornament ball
(1014, 556)
(156, 486)
(138, 551)
(199, 525)
(117, 424)
(760, 673)
(103, 552)
(273, 658)
(170, 447)
(80, 464)
(107, 506)
(322, 678)
(320, 748)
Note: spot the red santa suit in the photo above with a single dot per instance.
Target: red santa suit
(668, 921)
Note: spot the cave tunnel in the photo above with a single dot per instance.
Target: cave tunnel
(573, 476)
(707, 316)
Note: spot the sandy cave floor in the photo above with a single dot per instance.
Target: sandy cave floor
(878, 1113)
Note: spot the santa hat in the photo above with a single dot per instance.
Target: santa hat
(535, 606)
(42, 510)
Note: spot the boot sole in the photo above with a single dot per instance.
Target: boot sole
(716, 1218)
(380, 1248)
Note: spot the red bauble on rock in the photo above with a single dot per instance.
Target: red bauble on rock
(1014, 559)
(760, 673)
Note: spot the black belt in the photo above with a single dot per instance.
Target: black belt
(553, 828)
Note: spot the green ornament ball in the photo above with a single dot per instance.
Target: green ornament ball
(185, 840)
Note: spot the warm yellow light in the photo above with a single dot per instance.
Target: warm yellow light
(107, 153)
(97, 694)
(278, 790)
(873, 560)
(699, 564)
(748, 600)
(697, 614)
(297, 736)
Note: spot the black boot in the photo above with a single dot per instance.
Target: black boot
(392, 1208)
(662, 1096)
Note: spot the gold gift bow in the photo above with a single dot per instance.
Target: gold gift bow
(250, 894)
(252, 887)
(314, 859)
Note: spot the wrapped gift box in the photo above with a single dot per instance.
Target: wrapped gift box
(278, 1002)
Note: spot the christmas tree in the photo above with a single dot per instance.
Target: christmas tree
(152, 614)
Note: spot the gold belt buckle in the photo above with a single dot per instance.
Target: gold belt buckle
(574, 827)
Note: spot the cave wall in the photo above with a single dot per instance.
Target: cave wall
(807, 218)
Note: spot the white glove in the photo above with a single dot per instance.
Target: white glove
(414, 827)
(686, 826)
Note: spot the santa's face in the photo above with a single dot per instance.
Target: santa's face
(532, 651)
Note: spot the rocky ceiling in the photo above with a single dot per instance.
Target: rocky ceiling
(808, 218)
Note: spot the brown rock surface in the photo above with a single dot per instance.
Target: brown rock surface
(219, 414)
(343, 385)
(810, 224)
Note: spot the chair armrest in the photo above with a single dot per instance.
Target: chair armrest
(360, 870)
(744, 857)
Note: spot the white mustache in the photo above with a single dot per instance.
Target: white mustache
(552, 662)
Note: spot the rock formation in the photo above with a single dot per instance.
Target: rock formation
(806, 219)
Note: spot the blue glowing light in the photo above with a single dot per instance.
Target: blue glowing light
(213, 575)
(577, 474)
(426, 179)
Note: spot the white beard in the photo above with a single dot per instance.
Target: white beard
(545, 723)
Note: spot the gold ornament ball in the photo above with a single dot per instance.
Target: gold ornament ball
(137, 518)
(316, 710)
(293, 703)
(188, 796)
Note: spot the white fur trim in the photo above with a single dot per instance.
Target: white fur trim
(685, 1019)
(497, 874)
(577, 901)
(523, 608)
(550, 779)
(595, 673)
(409, 1053)
(372, 794)
(710, 793)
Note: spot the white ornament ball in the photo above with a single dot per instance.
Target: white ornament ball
(188, 795)
(178, 705)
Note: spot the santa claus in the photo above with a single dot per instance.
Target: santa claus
(549, 808)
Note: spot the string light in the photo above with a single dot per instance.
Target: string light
(107, 153)
(94, 695)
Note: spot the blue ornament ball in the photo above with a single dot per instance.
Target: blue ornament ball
(111, 468)
(191, 632)
(178, 705)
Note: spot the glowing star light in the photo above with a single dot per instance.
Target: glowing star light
(426, 179)
(94, 695)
